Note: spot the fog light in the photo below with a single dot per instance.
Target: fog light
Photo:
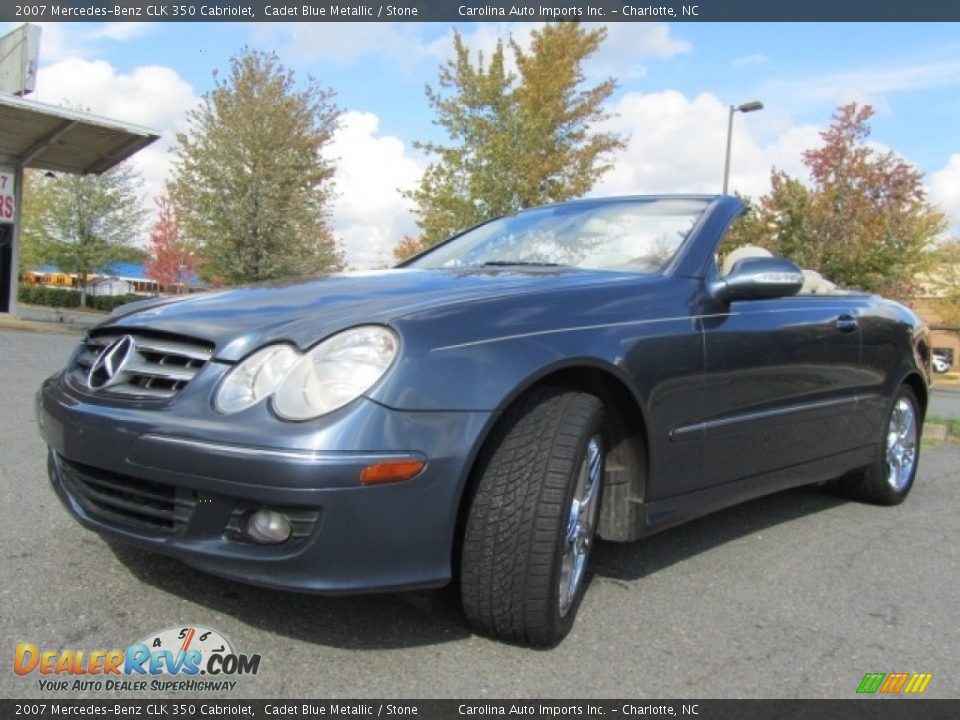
(268, 527)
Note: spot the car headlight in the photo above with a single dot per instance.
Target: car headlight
(335, 372)
(255, 378)
(305, 386)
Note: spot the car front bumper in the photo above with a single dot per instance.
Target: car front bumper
(181, 481)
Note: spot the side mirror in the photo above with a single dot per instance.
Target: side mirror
(757, 278)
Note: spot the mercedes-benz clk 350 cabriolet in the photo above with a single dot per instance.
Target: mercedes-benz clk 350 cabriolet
(486, 410)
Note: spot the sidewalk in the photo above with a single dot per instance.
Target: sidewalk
(9, 322)
(950, 379)
(60, 316)
(48, 319)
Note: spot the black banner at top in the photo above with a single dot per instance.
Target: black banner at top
(480, 10)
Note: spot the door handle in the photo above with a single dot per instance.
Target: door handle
(846, 323)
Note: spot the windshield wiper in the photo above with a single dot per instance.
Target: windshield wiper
(508, 263)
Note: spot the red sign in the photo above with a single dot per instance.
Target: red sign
(8, 201)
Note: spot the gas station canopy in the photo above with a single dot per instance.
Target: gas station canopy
(48, 137)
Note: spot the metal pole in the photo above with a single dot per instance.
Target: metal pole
(726, 164)
(15, 239)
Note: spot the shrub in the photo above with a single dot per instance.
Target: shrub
(61, 298)
(52, 297)
(108, 303)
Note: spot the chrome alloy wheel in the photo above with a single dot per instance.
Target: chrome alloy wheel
(901, 447)
(581, 521)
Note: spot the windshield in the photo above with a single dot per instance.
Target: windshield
(634, 235)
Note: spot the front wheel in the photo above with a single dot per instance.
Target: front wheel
(889, 479)
(532, 520)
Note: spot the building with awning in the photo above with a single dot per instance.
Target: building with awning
(47, 137)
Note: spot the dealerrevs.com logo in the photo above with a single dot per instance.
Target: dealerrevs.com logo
(189, 658)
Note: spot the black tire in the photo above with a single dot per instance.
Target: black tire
(516, 536)
(878, 484)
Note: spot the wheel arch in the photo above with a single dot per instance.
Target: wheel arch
(628, 459)
(916, 383)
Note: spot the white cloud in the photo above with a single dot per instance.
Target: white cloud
(120, 30)
(945, 191)
(677, 145)
(153, 95)
(744, 60)
(625, 40)
(864, 85)
(343, 43)
(626, 44)
(370, 216)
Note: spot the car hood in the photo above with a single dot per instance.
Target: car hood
(304, 311)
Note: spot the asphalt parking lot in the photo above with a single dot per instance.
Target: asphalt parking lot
(945, 402)
(794, 595)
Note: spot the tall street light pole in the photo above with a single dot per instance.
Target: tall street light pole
(745, 108)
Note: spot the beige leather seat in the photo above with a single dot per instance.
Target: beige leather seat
(816, 284)
(744, 251)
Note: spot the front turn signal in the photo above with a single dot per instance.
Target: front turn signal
(391, 471)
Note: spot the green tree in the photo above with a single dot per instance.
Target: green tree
(864, 220)
(252, 187)
(30, 252)
(558, 154)
(82, 223)
(515, 140)
(943, 281)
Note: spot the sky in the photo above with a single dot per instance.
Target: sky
(676, 82)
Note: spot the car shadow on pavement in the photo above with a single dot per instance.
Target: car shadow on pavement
(387, 621)
(633, 561)
(360, 622)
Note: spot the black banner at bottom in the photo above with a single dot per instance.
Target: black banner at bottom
(874, 707)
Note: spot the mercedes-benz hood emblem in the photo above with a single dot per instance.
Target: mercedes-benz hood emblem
(108, 368)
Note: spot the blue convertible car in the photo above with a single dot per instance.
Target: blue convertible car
(483, 412)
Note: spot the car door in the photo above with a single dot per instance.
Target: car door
(780, 384)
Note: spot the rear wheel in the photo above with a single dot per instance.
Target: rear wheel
(532, 521)
(889, 479)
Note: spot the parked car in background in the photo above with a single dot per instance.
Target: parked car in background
(941, 363)
(483, 412)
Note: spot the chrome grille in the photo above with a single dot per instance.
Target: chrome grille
(127, 501)
(158, 367)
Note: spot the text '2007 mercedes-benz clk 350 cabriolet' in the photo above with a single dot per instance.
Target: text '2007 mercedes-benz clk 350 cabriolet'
(486, 410)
